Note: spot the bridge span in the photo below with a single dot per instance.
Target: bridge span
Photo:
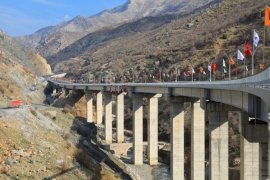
(213, 100)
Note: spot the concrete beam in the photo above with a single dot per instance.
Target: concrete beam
(152, 128)
(120, 118)
(177, 139)
(137, 101)
(219, 141)
(250, 151)
(197, 141)
(99, 107)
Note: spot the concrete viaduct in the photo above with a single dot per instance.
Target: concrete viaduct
(250, 96)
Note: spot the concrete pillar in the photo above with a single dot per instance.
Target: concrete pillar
(219, 140)
(120, 118)
(137, 129)
(89, 106)
(99, 107)
(66, 92)
(269, 145)
(197, 141)
(250, 150)
(177, 140)
(108, 118)
(152, 128)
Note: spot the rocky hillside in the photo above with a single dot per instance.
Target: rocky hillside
(50, 40)
(159, 43)
(19, 68)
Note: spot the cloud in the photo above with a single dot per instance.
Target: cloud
(66, 17)
(48, 3)
(63, 19)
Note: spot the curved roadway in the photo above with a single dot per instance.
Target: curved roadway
(257, 86)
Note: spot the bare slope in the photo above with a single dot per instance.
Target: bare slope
(193, 40)
(52, 39)
(19, 68)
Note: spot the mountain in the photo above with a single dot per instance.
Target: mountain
(19, 68)
(163, 43)
(50, 40)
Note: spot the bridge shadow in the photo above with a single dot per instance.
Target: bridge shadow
(61, 173)
(91, 155)
(70, 100)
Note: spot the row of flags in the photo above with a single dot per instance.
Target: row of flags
(240, 56)
(212, 67)
(248, 52)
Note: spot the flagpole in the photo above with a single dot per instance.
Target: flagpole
(176, 74)
(253, 53)
(229, 70)
(229, 66)
(210, 75)
(236, 69)
(264, 38)
(244, 67)
(192, 72)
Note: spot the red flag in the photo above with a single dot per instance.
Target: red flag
(247, 50)
(214, 67)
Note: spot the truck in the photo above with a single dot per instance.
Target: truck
(10, 103)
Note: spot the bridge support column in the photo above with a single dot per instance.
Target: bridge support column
(66, 92)
(269, 145)
(108, 118)
(137, 129)
(99, 107)
(177, 139)
(152, 128)
(219, 151)
(197, 141)
(250, 150)
(89, 106)
(120, 118)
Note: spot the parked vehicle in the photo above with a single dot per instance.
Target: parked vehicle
(4, 104)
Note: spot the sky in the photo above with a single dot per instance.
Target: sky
(22, 17)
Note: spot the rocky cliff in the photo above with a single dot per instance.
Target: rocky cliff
(50, 40)
(19, 68)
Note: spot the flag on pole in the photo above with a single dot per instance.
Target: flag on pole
(193, 71)
(240, 56)
(256, 38)
(247, 49)
(209, 68)
(214, 67)
(223, 64)
(232, 62)
(201, 69)
(267, 16)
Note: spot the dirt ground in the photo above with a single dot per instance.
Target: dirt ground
(36, 142)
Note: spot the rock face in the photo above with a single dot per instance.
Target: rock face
(19, 68)
(50, 40)
(15, 52)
